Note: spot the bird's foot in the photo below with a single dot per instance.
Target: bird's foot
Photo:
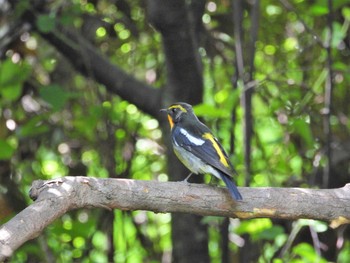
(186, 179)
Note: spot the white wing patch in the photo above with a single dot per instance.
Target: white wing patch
(192, 139)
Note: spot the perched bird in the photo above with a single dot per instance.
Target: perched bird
(197, 148)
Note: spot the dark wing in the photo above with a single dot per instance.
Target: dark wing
(206, 148)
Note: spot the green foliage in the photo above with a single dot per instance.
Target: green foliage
(306, 253)
(344, 255)
(55, 96)
(55, 122)
(46, 23)
(209, 111)
(12, 78)
(33, 127)
(6, 150)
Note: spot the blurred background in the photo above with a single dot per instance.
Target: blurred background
(81, 85)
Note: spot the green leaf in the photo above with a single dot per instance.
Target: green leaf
(344, 255)
(307, 253)
(33, 127)
(210, 111)
(339, 3)
(46, 23)
(338, 34)
(12, 92)
(12, 76)
(318, 226)
(6, 150)
(318, 10)
(254, 226)
(55, 96)
(271, 233)
(346, 13)
(340, 66)
(302, 128)
(21, 7)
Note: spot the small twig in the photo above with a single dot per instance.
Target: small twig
(240, 78)
(295, 230)
(315, 240)
(327, 111)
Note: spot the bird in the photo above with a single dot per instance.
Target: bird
(197, 148)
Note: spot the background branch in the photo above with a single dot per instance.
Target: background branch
(56, 197)
(91, 63)
(88, 61)
(327, 111)
(180, 47)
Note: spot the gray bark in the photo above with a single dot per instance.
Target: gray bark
(56, 197)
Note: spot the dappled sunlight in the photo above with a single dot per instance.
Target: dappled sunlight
(81, 86)
(66, 187)
(29, 104)
(4, 233)
(55, 192)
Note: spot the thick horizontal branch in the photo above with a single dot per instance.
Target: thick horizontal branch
(56, 197)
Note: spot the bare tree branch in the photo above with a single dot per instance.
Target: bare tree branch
(56, 197)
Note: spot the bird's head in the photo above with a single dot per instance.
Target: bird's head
(178, 112)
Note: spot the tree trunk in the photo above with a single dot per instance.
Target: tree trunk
(176, 22)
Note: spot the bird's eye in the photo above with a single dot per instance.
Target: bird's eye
(173, 110)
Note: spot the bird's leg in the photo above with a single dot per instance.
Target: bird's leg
(188, 177)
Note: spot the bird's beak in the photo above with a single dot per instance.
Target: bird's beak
(163, 110)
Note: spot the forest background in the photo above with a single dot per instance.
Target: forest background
(81, 85)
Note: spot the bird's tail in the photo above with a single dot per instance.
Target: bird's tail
(231, 186)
